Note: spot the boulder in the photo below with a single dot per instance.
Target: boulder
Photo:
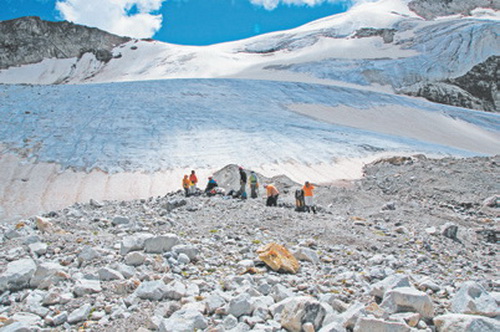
(161, 244)
(44, 225)
(38, 248)
(175, 290)
(407, 299)
(79, 315)
(465, 323)
(120, 220)
(240, 305)
(184, 320)
(151, 290)
(278, 258)
(391, 282)
(450, 231)
(107, 274)
(16, 327)
(472, 298)
(48, 274)
(87, 286)
(378, 325)
(300, 310)
(133, 243)
(135, 258)
(306, 254)
(18, 275)
(188, 250)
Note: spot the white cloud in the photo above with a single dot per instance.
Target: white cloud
(134, 18)
(272, 4)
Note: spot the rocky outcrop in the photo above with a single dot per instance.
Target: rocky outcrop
(386, 34)
(30, 40)
(478, 89)
(430, 9)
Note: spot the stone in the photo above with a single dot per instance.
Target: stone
(279, 293)
(188, 250)
(48, 274)
(183, 259)
(213, 302)
(240, 305)
(378, 325)
(95, 203)
(450, 231)
(332, 327)
(184, 320)
(18, 275)
(306, 254)
(391, 282)
(16, 327)
(44, 225)
(134, 243)
(352, 314)
(107, 274)
(492, 201)
(175, 290)
(300, 310)
(87, 286)
(407, 299)
(79, 315)
(410, 318)
(59, 319)
(431, 230)
(427, 283)
(126, 270)
(151, 290)
(88, 254)
(161, 244)
(135, 258)
(278, 258)
(120, 220)
(466, 323)
(472, 298)
(38, 248)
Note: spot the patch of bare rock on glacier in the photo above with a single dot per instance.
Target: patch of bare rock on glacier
(410, 247)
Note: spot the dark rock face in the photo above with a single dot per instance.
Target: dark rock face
(386, 34)
(30, 40)
(430, 9)
(478, 89)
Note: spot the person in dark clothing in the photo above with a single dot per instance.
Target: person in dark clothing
(243, 183)
(211, 184)
(254, 184)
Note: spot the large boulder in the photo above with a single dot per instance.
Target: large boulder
(378, 325)
(151, 290)
(300, 310)
(161, 244)
(18, 275)
(472, 298)
(278, 258)
(134, 242)
(407, 299)
(465, 323)
(391, 282)
(184, 320)
(48, 274)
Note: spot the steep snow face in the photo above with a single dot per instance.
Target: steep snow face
(148, 126)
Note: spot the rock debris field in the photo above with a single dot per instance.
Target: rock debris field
(409, 247)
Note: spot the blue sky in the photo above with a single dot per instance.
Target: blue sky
(189, 22)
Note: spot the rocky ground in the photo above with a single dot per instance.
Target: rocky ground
(412, 246)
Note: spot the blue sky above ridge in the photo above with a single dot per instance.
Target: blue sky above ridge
(188, 22)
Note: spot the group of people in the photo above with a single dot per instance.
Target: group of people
(304, 197)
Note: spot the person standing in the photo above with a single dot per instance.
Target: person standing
(254, 184)
(309, 196)
(272, 195)
(186, 184)
(243, 183)
(194, 180)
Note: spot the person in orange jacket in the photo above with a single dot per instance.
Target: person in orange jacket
(194, 180)
(186, 184)
(272, 195)
(309, 197)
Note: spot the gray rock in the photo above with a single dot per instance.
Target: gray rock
(38, 248)
(16, 327)
(95, 203)
(391, 282)
(88, 254)
(87, 286)
(184, 321)
(300, 310)
(175, 290)
(466, 323)
(80, 314)
(48, 274)
(18, 275)
(378, 325)
(407, 299)
(230, 322)
(352, 314)
(161, 244)
(450, 231)
(126, 270)
(213, 302)
(135, 258)
(428, 283)
(280, 292)
(119, 220)
(472, 298)
(58, 319)
(151, 290)
(107, 274)
(133, 243)
(188, 250)
(306, 254)
(183, 259)
(332, 327)
(240, 305)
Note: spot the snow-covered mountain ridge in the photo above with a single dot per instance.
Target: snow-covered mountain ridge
(374, 44)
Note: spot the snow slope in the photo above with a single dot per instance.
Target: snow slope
(328, 49)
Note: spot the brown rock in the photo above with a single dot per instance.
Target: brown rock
(278, 258)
